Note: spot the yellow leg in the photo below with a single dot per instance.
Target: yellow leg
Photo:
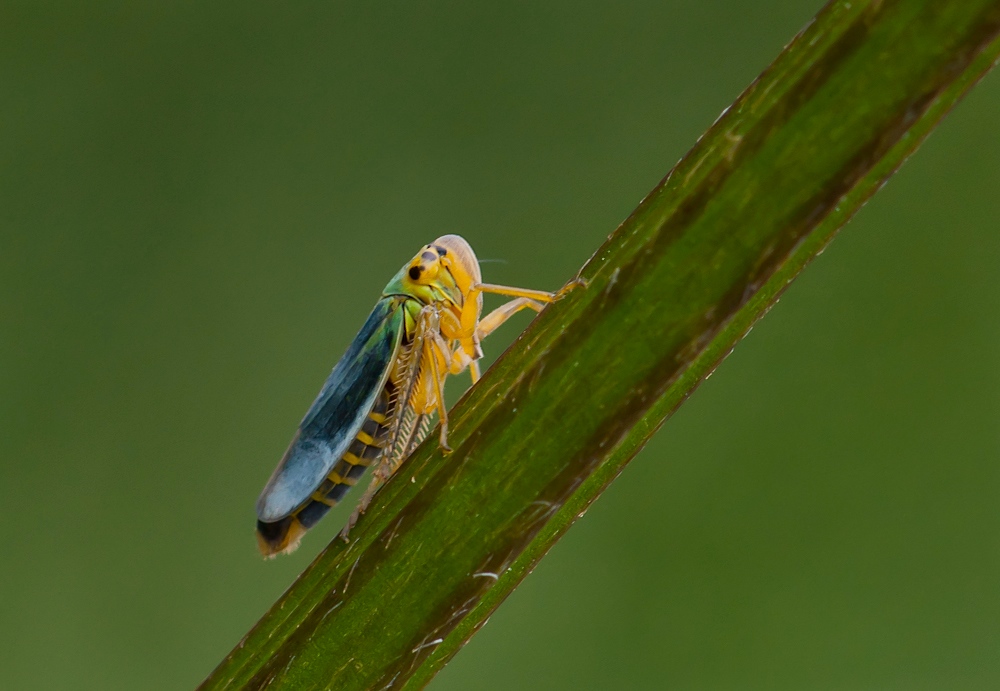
(524, 297)
(386, 466)
(538, 295)
(491, 321)
(451, 362)
(439, 391)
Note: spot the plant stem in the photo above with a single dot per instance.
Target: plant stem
(574, 399)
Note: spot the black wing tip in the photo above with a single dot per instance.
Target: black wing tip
(280, 537)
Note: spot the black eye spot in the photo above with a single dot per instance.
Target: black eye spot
(414, 273)
(441, 251)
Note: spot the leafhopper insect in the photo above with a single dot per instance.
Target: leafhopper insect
(379, 401)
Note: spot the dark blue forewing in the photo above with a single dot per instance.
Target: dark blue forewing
(337, 414)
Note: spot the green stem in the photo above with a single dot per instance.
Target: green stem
(669, 295)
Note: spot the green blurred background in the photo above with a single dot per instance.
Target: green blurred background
(199, 205)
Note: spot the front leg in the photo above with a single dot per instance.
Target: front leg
(494, 319)
(537, 295)
(437, 380)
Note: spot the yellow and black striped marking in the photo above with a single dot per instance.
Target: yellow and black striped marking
(363, 452)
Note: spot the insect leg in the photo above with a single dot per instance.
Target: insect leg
(438, 380)
(398, 442)
(447, 354)
(523, 298)
(379, 476)
(509, 291)
(504, 312)
(538, 295)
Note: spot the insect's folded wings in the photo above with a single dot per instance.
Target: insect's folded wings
(337, 414)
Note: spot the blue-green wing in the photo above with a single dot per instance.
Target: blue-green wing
(337, 414)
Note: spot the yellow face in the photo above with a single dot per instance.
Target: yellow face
(446, 268)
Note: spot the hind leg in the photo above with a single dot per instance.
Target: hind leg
(434, 352)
